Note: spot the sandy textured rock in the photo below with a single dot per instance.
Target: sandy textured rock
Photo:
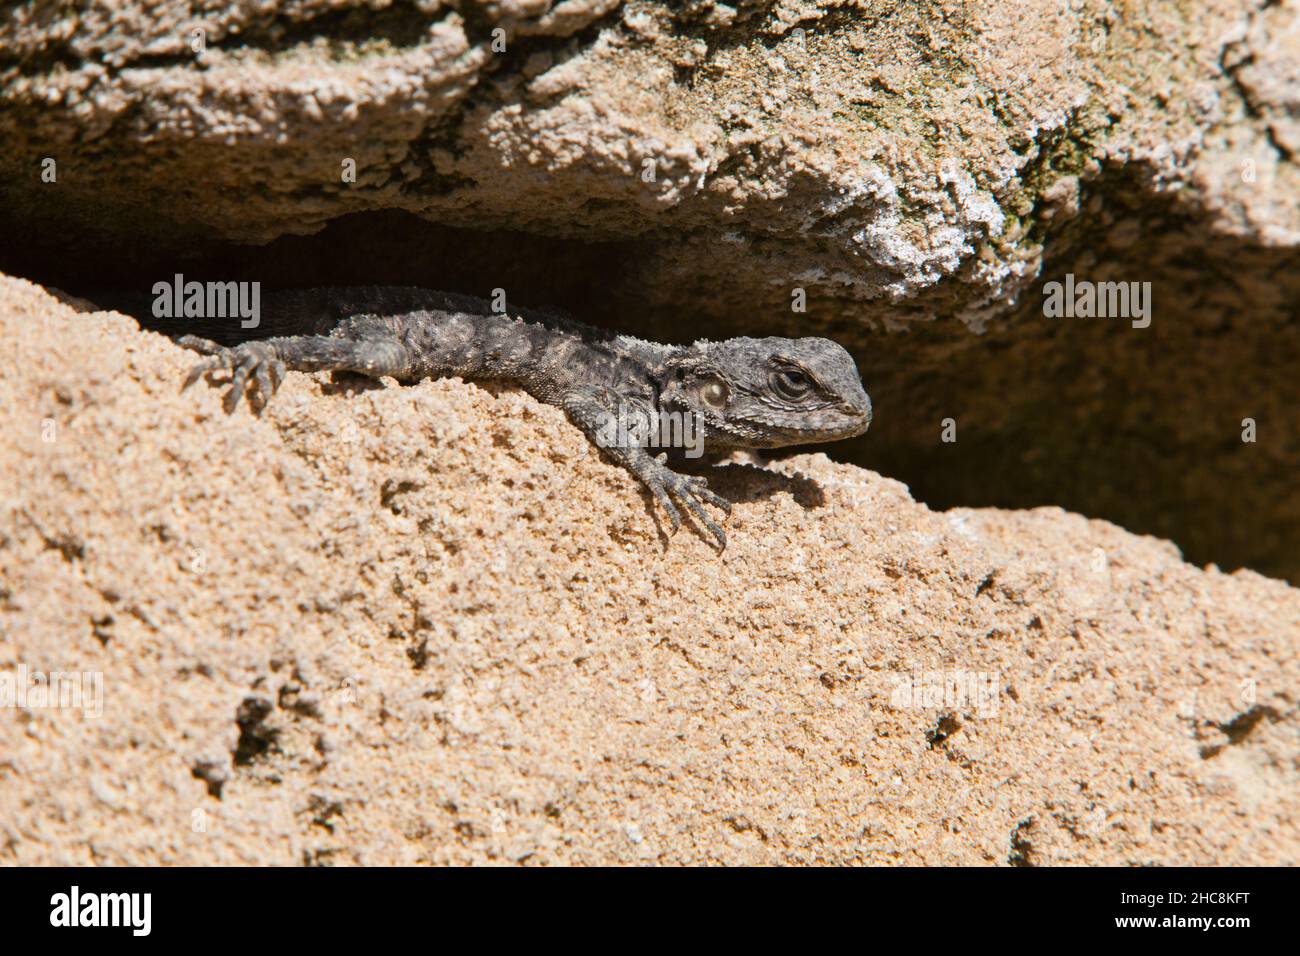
(430, 624)
(918, 170)
(863, 150)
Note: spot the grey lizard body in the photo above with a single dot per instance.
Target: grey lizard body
(741, 393)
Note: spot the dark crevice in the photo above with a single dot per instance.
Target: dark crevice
(324, 812)
(946, 727)
(401, 24)
(255, 737)
(1140, 427)
(71, 549)
(1238, 729)
(292, 700)
(1022, 850)
(419, 654)
(382, 248)
(212, 774)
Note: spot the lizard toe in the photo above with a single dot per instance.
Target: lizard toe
(254, 363)
(701, 488)
(238, 383)
(197, 371)
(264, 379)
(697, 509)
(692, 491)
(201, 345)
(670, 509)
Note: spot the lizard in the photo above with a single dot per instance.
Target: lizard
(743, 393)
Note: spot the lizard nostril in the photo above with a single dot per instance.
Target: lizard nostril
(860, 409)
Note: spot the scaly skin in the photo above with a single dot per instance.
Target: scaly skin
(743, 392)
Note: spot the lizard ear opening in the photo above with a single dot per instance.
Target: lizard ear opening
(715, 394)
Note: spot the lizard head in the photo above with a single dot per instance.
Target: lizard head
(770, 392)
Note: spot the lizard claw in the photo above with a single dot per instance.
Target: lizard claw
(256, 360)
(690, 490)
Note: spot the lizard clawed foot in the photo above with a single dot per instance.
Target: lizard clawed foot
(257, 362)
(666, 484)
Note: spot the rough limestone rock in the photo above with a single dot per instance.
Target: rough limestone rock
(914, 171)
(864, 150)
(385, 624)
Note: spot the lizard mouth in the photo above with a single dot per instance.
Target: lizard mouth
(772, 433)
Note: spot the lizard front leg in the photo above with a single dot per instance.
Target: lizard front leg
(264, 363)
(596, 411)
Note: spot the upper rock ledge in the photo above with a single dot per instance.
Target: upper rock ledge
(431, 624)
(861, 150)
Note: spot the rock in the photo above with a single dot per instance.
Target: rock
(700, 169)
(429, 624)
(865, 150)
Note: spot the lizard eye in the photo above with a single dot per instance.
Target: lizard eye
(789, 383)
(714, 394)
